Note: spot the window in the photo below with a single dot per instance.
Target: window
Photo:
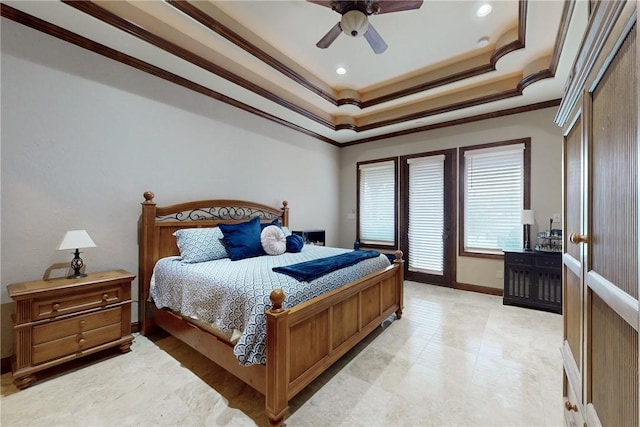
(494, 189)
(377, 203)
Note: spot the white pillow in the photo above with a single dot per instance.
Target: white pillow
(273, 240)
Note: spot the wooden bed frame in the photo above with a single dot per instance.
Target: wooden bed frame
(302, 341)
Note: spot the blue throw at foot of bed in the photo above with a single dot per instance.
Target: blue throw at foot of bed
(310, 270)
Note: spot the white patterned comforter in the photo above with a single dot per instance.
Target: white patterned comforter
(234, 295)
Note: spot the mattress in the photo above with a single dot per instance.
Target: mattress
(231, 297)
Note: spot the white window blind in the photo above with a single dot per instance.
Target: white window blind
(493, 198)
(426, 214)
(377, 210)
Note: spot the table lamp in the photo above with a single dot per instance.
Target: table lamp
(527, 220)
(76, 239)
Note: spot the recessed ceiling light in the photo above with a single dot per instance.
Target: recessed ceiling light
(483, 42)
(484, 10)
(341, 70)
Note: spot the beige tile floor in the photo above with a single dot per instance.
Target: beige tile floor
(455, 358)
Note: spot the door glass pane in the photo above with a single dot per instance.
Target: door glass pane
(426, 214)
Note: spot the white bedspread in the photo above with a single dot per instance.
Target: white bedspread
(234, 295)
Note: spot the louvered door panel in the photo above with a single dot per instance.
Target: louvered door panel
(611, 360)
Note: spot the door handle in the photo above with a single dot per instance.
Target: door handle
(576, 238)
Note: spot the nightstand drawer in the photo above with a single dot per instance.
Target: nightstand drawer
(75, 343)
(44, 309)
(55, 330)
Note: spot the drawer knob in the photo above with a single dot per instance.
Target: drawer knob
(82, 323)
(570, 407)
(81, 342)
(105, 297)
(55, 307)
(577, 238)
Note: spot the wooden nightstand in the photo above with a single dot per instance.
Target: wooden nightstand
(60, 320)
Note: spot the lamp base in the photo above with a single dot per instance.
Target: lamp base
(77, 264)
(527, 245)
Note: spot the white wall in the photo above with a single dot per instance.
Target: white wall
(83, 137)
(546, 173)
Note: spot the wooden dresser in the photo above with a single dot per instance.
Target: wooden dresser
(60, 320)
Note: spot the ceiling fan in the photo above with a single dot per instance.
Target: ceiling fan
(355, 19)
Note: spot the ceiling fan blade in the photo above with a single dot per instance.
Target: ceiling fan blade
(325, 3)
(330, 37)
(388, 6)
(375, 41)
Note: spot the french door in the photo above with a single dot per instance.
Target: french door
(428, 216)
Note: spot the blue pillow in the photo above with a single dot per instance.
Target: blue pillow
(200, 244)
(266, 224)
(243, 239)
(294, 243)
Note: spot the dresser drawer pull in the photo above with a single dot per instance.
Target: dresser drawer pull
(570, 407)
(82, 324)
(105, 297)
(80, 340)
(55, 307)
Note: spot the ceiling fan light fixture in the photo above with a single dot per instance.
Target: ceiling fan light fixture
(354, 23)
(341, 70)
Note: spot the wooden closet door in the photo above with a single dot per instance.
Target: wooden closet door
(609, 250)
(573, 298)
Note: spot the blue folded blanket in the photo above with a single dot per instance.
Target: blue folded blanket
(311, 270)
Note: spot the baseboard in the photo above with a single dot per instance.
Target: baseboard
(477, 288)
(5, 362)
(5, 365)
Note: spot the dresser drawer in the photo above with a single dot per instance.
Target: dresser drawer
(47, 308)
(512, 258)
(549, 262)
(62, 328)
(74, 343)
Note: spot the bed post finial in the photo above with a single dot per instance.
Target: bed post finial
(398, 256)
(148, 196)
(285, 213)
(277, 297)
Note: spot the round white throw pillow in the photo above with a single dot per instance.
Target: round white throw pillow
(273, 240)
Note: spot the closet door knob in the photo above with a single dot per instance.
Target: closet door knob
(570, 407)
(576, 238)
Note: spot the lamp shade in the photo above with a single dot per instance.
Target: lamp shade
(76, 239)
(528, 217)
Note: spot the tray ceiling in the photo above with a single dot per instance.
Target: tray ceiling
(261, 56)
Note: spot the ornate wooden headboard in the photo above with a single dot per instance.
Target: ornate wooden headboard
(157, 225)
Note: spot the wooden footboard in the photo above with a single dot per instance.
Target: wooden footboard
(302, 341)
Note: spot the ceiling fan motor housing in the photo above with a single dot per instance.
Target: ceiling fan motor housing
(354, 23)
